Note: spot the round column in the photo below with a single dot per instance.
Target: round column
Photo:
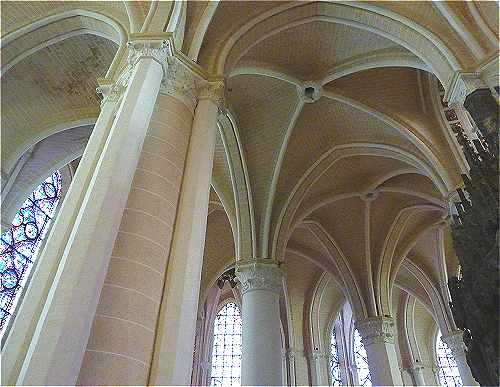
(417, 373)
(456, 344)
(377, 334)
(261, 283)
(121, 342)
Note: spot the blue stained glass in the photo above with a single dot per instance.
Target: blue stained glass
(361, 359)
(335, 377)
(449, 375)
(19, 245)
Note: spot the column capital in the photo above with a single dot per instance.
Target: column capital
(259, 274)
(316, 354)
(376, 330)
(214, 91)
(110, 91)
(289, 354)
(159, 48)
(455, 342)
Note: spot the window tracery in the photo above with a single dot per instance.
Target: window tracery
(226, 352)
(335, 377)
(361, 361)
(20, 243)
(448, 373)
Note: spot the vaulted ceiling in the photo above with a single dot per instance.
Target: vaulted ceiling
(333, 149)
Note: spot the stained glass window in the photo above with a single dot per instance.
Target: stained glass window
(19, 245)
(335, 377)
(447, 366)
(361, 359)
(226, 352)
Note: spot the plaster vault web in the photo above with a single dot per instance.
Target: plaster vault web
(21, 242)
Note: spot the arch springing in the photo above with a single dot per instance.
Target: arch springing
(20, 244)
(448, 373)
(226, 352)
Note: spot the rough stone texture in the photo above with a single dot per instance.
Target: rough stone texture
(475, 296)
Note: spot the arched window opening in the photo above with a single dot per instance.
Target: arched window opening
(335, 377)
(226, 352)
(361, 360)
(21, 242)
(449, 375)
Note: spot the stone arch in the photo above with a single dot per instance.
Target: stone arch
(43, 159)
(289, 216)
(245, 224)
(56, 28)
(395, 250)
(423, 43)
(445, 324)
(348, 281)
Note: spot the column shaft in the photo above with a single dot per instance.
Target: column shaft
(24, 322)
(121, 342)
(174, 343)
(62, 328)
(377, 334)
(261, 341)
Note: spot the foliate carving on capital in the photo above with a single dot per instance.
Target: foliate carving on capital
(455, 343)
(316, 354)
(113, 91)
(259, 275)
(376, 330)
(214, 91)
(180, 82)
(157, 49)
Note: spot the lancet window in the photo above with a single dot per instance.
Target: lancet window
(448, 373)
(226, 352)
(361, 361)
(335, 376)
(20, 244)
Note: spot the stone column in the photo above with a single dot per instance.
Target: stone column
(456, 344)
(261, 284)
(290, 367)
(48, 345)
(319, 367)
(416, 372)
(121, 342)
(377, 334)
(174, 343)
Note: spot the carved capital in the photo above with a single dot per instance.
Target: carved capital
(316, 355)
(214, 91)
(113, 91)
(289, 354)
(180, 82)
(259, 274)
(455, 342)
(376, 330)
(157, 49)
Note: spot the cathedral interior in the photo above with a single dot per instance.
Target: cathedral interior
(258, 193)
